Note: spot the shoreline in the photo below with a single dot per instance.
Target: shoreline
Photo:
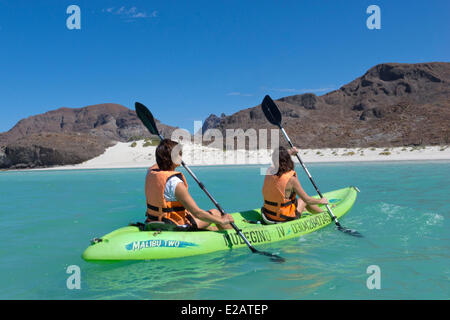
(123, 156)
(387, 162)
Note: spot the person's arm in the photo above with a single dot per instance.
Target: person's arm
(182, 195)
(293, 151)
(303, 195)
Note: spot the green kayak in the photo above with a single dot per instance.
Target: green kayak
(130, 243)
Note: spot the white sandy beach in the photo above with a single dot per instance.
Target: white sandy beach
(123, 155)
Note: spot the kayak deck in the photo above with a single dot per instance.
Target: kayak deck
(129, 243)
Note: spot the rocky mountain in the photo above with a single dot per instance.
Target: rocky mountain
(110, 121)
(212, 122)
(69, 136)
(392, 104)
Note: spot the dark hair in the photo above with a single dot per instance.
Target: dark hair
(163, 154)
(283, 158)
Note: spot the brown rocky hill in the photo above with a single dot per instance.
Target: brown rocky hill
(110, 121)
(69, 136)
(392, 104)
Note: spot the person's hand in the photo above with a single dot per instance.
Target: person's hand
(226, 219)
(293, 151)
(323, 201)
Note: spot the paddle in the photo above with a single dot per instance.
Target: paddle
(149, 122)
(273, 115)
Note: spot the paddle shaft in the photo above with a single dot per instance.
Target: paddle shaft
(310, 177)
(222, 212)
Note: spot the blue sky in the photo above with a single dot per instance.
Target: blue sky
(187, 59)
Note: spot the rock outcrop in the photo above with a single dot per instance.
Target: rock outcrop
(69, 136)
(51, 149)
(392, 104)
(212, 122)
(110, 121)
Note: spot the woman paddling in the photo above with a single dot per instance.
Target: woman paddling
(280, 190)
(168, 199)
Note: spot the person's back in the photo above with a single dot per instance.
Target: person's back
(161, 204)
(278, 204)
(168, 198)
(280, 190)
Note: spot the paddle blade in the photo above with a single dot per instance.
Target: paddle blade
(350, 231)
(273, 257)
(146, 117)
(271, 111)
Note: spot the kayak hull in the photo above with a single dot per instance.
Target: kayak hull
(129, 243)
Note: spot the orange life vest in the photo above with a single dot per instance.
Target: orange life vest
(158, 209)
(276, 206)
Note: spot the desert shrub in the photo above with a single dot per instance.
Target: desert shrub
(134, 144)
(135, 138)
(385, 153)
(149, 142)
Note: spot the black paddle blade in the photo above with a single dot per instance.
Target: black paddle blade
(146, 117)
(350, 231)
(273, 257)
(271, 111)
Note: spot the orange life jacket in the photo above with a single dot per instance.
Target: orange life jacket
(158, 209)
(276, 206)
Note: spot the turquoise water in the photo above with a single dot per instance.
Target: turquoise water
(48, 218)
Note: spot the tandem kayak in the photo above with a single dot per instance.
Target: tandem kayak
(130, 243)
